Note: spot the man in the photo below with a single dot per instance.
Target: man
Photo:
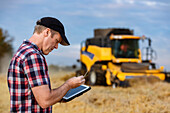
(28, 79)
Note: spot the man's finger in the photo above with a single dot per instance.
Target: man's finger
(81, 77)
(83, 80)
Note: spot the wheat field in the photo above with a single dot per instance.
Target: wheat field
(144, 96)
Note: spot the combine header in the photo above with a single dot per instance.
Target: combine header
(113, 56)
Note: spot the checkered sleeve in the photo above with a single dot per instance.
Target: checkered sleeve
(35, 70)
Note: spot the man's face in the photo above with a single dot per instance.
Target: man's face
(51, 43)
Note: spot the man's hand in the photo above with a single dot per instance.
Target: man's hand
(75, 81)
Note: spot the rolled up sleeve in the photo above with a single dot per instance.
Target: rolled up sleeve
(35, 70)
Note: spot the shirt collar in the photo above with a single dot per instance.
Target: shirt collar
(32, 44)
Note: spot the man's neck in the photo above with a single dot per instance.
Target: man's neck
(37, 39)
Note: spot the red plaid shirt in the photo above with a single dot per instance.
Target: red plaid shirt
(27, 69)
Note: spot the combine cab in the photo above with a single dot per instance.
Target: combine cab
(113, 56)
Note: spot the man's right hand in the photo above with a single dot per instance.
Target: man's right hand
(75, 81)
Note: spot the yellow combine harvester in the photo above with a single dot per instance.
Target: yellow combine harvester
(113, 55)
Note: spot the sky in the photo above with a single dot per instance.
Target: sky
(80, 17)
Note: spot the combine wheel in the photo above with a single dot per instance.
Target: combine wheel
(97, 77)
(118, 83)
(93, 78)
(167, 77)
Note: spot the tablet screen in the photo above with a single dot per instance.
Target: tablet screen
(72, 93)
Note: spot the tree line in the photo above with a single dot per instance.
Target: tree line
(5, 43)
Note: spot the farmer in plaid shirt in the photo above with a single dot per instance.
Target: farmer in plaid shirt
(28, 79)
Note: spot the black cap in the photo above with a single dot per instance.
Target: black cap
(55, 25)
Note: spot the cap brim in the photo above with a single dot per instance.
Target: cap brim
(64, 42)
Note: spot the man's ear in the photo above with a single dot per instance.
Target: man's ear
(47, 32)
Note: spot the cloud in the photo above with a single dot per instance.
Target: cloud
(112, 8)
(150, 3)
(154, 3)
(72, 51)
(22, 2)
(125, 1)
(64, 55)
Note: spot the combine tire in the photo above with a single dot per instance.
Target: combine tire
(118, 83)
(97, 76)
(167, 77)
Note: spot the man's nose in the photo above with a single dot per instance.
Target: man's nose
(56, 46)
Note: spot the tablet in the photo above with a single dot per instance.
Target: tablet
(75, 92)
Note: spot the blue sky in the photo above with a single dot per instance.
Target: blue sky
(80, 17)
